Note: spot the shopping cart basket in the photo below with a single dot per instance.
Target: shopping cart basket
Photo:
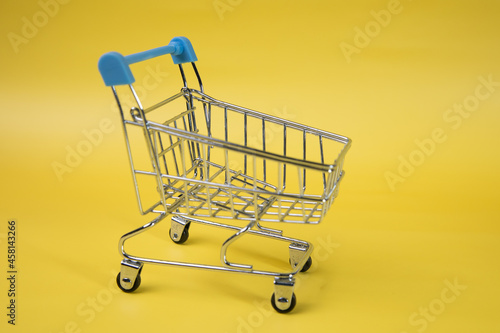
(206, 160)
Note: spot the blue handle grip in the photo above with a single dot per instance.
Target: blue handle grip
(115, 69)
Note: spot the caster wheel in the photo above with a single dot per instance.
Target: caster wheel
(307, 265)
(136, 285)
(184, 237)
(290, 308)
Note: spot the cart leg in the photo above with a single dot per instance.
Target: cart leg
(179, 230)
(129, 277)
(283, 299)
(225, 245)
(298, 256)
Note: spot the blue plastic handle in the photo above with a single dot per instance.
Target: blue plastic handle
(115, 69)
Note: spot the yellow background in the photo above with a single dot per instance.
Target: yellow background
(384, 254)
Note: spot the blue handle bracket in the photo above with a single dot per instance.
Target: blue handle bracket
(115, 70)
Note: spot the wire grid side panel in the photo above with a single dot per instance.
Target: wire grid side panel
(218, 187)
(252, 129)
(144, 175)
(209, 181)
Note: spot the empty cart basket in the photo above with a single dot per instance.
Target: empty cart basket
(201, 160)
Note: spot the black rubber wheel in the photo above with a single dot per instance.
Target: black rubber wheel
(184, 236)
(307, 265)
(136, 285)
(290, 308)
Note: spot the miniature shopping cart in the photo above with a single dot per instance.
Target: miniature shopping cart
(198, 159)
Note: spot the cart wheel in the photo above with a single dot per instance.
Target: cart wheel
(136, 285)
(307, 265)
(184, 236)
(290, 308)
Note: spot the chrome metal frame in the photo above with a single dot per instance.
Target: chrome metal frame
(195, 183)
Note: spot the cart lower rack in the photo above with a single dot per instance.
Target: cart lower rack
(201, 160)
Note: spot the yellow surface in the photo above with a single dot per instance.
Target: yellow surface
(405, 248)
